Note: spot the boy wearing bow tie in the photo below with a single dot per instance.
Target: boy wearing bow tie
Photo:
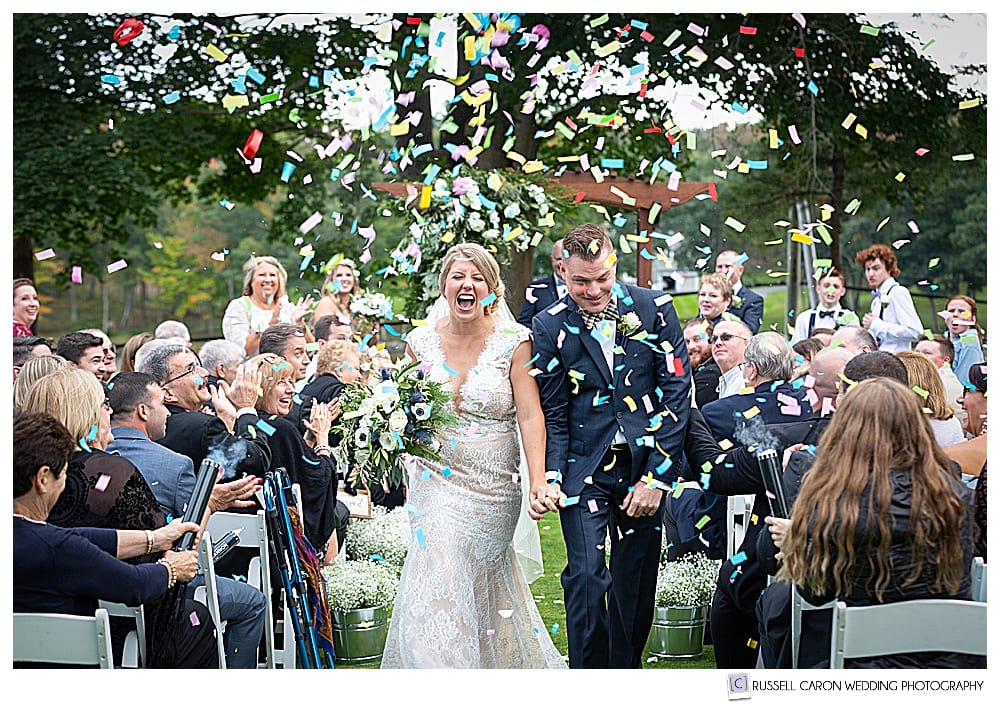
(893, 321)
(829, 314)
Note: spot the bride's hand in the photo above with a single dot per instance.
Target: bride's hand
(543, 498)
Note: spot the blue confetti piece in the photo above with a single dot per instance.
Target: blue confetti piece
(389, 329)
(171, 98)
(757, 164)
(572, 329)
(555, 628)
(451, 372)
(487, 300)
(739, 558)
(92, 435)
(446, 472)
(813, 88)
(377, 558)
(175, 32)
(309, 461)
(287, 170)
(553, 363)
(612, 163)
(571, 501)
(421, 541)
(265, 426)
(111, 79)
(425, 475)
(740, 108)
(255, 76)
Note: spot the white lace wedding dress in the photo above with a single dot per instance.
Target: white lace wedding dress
(463, 600)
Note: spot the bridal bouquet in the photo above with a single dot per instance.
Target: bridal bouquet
(369, 309)
(399, 411)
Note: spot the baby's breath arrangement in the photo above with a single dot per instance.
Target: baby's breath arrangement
(688, 581)
(359, 584)
(384, 537)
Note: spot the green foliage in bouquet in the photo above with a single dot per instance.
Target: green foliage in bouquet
(399, 411)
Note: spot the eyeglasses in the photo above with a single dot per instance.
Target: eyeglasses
(106, 403)
(192, 370)
(725, 337)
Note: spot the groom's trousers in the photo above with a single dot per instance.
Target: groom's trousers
(609, 608)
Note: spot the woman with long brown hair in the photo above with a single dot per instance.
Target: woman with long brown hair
(881, 516)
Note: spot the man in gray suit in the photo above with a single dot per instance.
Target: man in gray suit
(138, 419)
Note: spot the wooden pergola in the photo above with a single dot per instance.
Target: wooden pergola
(650, 201)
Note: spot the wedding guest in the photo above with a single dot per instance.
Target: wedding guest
(829, 314)
(854, 338)
(32, 370)
(131, 347)
(264, 302)
(941, 352)
(25, 307)
(805, 350)
(746, 305)
(287, 341)
(84, 350)
(824, 335)
(67, 570)
(468, 501)
(340, 284)
(308, 460)
(325, 329)
(24, 348)
(543, 292)
(110, 353)
(965, 334)
(880, 518)
(221, 358)
(974, 401)
(892, 320)
(705, 372)
(926, 382)
(618, 457)
(173, 330)
(714, 297)
(729, 340)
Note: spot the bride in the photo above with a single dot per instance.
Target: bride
(463, 599)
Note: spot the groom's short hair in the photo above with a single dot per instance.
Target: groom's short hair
(586, 241)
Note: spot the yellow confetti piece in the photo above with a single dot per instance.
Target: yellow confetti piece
(900, 176)
(448, 236)
(921, 392)
(514, 156)
(933, 263)
(882, 224)
(848, 121)
(398, 130)
(612, 259)
(801, 237)
(963, 157)
(533, 166)
(608, 49)
(231, 102)
(425, 197)
(470, 48)
(630, 402)
(216, 53)
(726, 444)
(966, 104)
(735, 224)
(862, 131)
(743, 168)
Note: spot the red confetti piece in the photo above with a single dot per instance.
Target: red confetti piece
(413, 20)
(748, 30)
(712, 192)
(652, 129)
(678, 367)
(800, 53)
(579, 197)
(647, 36)
(128, 30)
(253, 144)
(642, 90)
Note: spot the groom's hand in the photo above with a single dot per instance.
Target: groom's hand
(543, 498)
(642, 501)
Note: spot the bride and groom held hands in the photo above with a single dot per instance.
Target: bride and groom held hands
(604, 414)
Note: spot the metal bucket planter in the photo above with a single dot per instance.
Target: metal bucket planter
(678, 631)
(359, 634)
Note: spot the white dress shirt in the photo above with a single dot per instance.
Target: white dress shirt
(896, 325)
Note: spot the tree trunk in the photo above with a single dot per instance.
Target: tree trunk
(518, 277)
(24, 259)
(839, 166)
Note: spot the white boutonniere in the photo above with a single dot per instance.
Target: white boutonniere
(737, 301)
(629, 325)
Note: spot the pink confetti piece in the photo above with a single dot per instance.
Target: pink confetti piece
(899, 243)
(592, 505)
(195, 621)
(800, 18)
(913, 227)
(312, 221)
(490, 631)
(921, 151)
(77, 275)
(102, 482)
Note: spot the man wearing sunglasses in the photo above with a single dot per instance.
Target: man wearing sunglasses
(191, 431)
(728, 341)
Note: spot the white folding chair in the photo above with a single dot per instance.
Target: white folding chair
(799, 604)
(914, 626)
(738, 506)
(207, 595)
(978, 579)
(134, 654)
(63, 639)
(253, 534)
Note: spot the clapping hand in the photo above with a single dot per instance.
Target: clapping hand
(243, 392)
(222, 406)
(320, 419)
(235, 494)
(302, 309)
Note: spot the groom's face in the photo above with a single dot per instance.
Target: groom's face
(589, 282)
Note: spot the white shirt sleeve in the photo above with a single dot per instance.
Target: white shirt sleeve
(899, 325)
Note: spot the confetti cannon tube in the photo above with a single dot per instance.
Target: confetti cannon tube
(774, 486)
(208, 474)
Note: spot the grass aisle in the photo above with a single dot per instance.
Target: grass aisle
(549, 599)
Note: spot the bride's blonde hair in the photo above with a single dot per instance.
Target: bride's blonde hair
(484, 261)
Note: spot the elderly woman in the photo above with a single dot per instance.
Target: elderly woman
(25, 307)
(61, 570)
(308, 460)
(338, 287)
(714, 297)
(925, 381)
(264, 302)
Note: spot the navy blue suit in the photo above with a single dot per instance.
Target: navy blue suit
(725, 415)
(750, 309)
(545, 292)
(609, 614)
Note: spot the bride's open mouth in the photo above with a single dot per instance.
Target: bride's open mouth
(465, 301)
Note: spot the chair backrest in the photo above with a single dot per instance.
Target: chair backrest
(978, 579)
(253, 534)
(914, 626)
(63, 639)
(134, 653)
(738, 510)
(799, 604)
(207, 594)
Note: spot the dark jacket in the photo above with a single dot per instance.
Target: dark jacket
(545, 294)
(194, 434)
(776, 402)
(706, 383)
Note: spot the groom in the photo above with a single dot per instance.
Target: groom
(614, 387)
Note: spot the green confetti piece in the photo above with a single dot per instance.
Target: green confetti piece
(597, 22)
(933, 262)
(702, 522)
(869, 30)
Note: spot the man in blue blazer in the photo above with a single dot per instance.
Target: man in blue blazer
(768, 365)
(614, 383)
(747, 305)
(543, 292)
